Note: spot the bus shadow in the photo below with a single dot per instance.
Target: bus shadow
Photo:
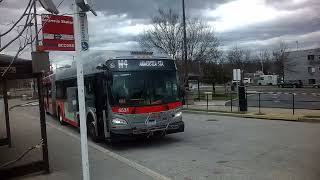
(137, 143)
(142, 143)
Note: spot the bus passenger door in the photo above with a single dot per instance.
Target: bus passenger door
(72, 104)
(100, 104)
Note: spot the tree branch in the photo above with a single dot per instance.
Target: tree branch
(24, 13)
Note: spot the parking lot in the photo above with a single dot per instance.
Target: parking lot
(212, 147)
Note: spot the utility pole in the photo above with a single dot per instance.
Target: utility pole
(185, 41)
(36, 41)
(35, 23)
(31, 45)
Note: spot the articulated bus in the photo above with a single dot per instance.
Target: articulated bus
(127, 94)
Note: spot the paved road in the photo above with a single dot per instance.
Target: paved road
(213, 147)
(218, 147)
(301, 101)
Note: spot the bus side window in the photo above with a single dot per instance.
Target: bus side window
(59, 90)
(89, 91)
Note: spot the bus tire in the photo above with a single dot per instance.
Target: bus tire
(91, 130)
(60, 118)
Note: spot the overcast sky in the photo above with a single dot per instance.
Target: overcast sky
(253, 24)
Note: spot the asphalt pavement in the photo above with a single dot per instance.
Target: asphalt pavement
(212, 147)
(218, 147)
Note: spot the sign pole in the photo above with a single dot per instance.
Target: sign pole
(79, 29)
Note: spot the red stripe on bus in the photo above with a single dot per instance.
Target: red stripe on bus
(73, 123)
(174, 105)
(146, 109)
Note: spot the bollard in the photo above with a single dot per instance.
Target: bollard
(293, 103)
(207, 102)
(259, 104)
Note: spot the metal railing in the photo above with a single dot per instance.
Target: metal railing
(258, 100)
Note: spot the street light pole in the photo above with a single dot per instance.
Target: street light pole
(185, 40)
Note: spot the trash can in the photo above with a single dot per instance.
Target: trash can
(243, 104)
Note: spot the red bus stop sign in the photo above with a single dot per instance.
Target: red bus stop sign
(57, 32)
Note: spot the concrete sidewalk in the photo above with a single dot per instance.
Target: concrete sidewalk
(64, 151)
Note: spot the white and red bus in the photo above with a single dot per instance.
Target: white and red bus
(127, 94)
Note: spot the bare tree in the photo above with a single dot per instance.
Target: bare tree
(202, 43)
(236, 56)
(264, 58)
(282, 62)
(166, 36)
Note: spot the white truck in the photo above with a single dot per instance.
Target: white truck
(267, 80)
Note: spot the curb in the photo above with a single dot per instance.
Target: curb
(295, 118)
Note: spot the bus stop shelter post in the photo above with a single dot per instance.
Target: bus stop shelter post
(45, 155)
(6, 112)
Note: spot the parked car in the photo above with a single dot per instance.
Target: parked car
(317, 85)
(247, 80)
(291, 84)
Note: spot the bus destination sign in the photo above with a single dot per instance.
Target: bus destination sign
(136, 65)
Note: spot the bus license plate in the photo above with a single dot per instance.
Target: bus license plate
(151, 122)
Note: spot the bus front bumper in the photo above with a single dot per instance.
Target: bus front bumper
(175, 127)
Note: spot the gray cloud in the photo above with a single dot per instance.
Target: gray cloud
(147, 8)
(304, 20)
(119, 21)
(290, 5)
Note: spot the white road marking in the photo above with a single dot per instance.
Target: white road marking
(116, 156)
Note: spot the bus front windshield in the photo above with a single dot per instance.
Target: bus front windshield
(144, 88)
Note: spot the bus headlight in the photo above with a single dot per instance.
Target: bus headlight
(178, 114)
(118, 121)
